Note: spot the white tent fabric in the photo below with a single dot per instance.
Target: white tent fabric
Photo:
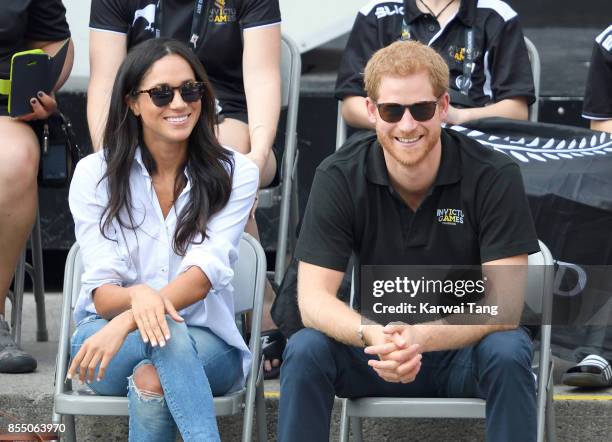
(315, 22)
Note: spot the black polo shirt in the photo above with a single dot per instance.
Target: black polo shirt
(475, 212)
(598, 92)
(502, 69)
(220, 45)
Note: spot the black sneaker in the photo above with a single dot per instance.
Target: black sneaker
(12, 358)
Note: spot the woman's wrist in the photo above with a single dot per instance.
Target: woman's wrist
(126, 320)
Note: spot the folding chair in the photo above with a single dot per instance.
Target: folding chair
(285, 193)
(534, 58)
(249, 279)
(539, 299)
(35, 271)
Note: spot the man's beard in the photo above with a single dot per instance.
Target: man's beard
(411, 159)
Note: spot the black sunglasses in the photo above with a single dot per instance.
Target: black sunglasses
(393, 112)
(164, 94)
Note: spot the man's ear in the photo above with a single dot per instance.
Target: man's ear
(443, 104)
(372, 112)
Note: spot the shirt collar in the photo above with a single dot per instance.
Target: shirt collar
(144, 172)
(466, 13)
(139, 162)
(376, 168)
(449, 171)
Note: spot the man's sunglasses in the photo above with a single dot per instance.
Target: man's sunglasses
(394, 112)
(164, 94)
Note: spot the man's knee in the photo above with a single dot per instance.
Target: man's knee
(146, 380)
(508, 350)
(307, 348)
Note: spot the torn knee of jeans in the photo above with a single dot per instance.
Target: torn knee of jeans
(144, 395)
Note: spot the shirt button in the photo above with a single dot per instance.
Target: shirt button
(432, 28)
(164, 270)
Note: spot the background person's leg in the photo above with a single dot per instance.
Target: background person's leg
(19, 155)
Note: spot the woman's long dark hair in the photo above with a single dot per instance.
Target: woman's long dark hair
(210, 167)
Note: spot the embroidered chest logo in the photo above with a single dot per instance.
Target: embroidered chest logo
(450, 217)
(220, 13)
(457, 54)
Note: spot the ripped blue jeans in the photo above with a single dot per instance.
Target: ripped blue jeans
(193, 366)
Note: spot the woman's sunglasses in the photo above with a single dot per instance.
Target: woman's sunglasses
(164, 94)
(394, 112)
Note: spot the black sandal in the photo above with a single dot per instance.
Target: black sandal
(592, 372)
(272, 346)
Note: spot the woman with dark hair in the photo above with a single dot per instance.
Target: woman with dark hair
(159, 213)
(239, 43)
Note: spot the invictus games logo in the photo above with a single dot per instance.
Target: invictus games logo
(457, 54)
(220, 13)
(451, 217)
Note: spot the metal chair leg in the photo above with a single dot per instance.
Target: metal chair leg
(357, 427)
(35, 271)
(344, 422)
(551, 427)
(17, 298)
(38, 282)
(70, 434)
(260, 413)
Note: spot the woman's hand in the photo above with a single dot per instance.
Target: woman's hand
(100, 348)
(149, 309)
(43, 107)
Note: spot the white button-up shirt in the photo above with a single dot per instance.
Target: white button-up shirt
(145, 255)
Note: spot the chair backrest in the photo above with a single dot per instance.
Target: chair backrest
(534, 59)
(539, 280)
(291, 65)
(291, 68)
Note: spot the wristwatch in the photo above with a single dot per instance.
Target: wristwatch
(360, 334)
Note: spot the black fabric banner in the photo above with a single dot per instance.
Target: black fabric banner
(567, 173)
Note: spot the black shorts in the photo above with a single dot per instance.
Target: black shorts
(3, 106)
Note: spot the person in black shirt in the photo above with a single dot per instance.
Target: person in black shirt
(24, 25)
(597, 105)
(238, 42)
(499, 82)
(384, 199)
